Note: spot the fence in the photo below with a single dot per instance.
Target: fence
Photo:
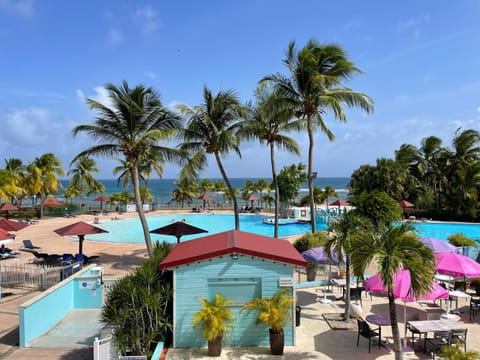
(104, 349)
(39, 277)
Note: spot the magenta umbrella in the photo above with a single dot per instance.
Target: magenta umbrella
(453, 264)
(438, 245)
(402, 290)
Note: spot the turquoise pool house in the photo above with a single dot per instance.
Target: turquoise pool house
(240, 266)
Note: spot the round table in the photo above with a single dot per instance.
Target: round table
(378, 319)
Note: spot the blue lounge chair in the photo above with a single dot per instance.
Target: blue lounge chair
(27, 245)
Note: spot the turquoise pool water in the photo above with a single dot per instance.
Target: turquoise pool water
(443, 230)
(130, 231)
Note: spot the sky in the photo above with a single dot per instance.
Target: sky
(421, 62)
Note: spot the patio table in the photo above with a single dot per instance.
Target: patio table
(425, 326)
(379, 320)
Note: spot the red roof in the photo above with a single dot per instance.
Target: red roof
(229, 242)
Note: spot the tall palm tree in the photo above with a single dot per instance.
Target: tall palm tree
(269, 119)
(15, 171)
(42, 177)
(344, 229)
(313, 88)
(329, 191)
(82, 171)
(212, 129)
(394, 248)
(133, 125)
(219, 186)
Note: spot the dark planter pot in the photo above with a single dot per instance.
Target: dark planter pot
(215, 346)
(276, 342)
(311, 274)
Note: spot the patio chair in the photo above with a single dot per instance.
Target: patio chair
(459, 337)
(356, 294)
(27, 245)
(439, 340)
(67, 259)
(365, 331)
(474, 306)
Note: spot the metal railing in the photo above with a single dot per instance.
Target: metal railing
(104, 349)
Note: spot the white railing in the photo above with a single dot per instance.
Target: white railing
(29, 275)
(104, 349)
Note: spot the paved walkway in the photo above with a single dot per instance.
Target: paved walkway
(315, 338)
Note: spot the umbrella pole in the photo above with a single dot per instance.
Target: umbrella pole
(80, 243)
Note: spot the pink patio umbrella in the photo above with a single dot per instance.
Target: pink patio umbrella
(7, 207)
(449, 263)
(205, 198)
(438, 245)
(405, 204)
(51, 201)
(252, 198)
(402, 290)
(338, 203)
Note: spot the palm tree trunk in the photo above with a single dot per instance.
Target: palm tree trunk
(275, 184)
(397, 346)
(141, 215)
(230, 190)
(310, 176)
(347, 289)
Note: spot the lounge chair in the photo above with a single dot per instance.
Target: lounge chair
(27, 245)
(6, 255)
(46, 258)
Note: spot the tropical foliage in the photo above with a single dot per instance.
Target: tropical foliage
(443, 182)
(138, 306)
(274, 312)
(314, 87)
(134, 125)
(214, 318)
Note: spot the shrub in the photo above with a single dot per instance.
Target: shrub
(460, 239)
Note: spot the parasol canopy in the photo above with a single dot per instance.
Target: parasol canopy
(453, 264)
(8, 207)
(102, 199)
(318, 255)
(5, 235)
(178, 229)
(51, 201)
(438, 245)
(10, 225)
(405, 204)
(338, 202)
(79, 229)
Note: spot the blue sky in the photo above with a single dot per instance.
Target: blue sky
(421, 62)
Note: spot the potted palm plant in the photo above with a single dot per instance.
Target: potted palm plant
(214, 318)
(275, 312)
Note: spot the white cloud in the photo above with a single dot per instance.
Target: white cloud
(148, 18)
(478, 109)
(151, 75)
(412, 23)
(22, 8)
(115, 36)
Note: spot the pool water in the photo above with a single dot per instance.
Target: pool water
(129, 230)
(443, 230)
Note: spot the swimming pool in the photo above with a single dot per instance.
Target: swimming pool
(129, 230)
(441, 230)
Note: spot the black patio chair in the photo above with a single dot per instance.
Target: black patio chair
(365, 331)
(27, 245)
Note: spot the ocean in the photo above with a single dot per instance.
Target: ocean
(162, 189)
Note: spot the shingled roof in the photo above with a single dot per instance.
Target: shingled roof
(230, 242)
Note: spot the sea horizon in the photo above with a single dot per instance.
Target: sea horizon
(161, 189)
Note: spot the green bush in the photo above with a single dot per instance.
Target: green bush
(460, 239)
(309, 241)
(138, 307)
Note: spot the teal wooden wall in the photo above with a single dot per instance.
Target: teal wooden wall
(191, 282)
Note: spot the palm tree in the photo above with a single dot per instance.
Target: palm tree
(394, 248)
(343, 230)
(219, 186)
(185, 191)
(41, 177)
(15, 171)
(269, 119)
(314, 88)
(329, 191)
(212, 129)
(133, 125)
(83, 178)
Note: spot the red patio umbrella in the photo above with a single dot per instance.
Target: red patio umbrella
(51, 201)
(178, 229)
(5, 235)
(339, 203)
(252, 198)
(405, 204)
(8, 207)
(204, 197)
(102, 199)
(79, 229)
(10, 225)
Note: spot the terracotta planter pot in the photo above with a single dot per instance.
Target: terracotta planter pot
(215, 346)
(277, 342)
